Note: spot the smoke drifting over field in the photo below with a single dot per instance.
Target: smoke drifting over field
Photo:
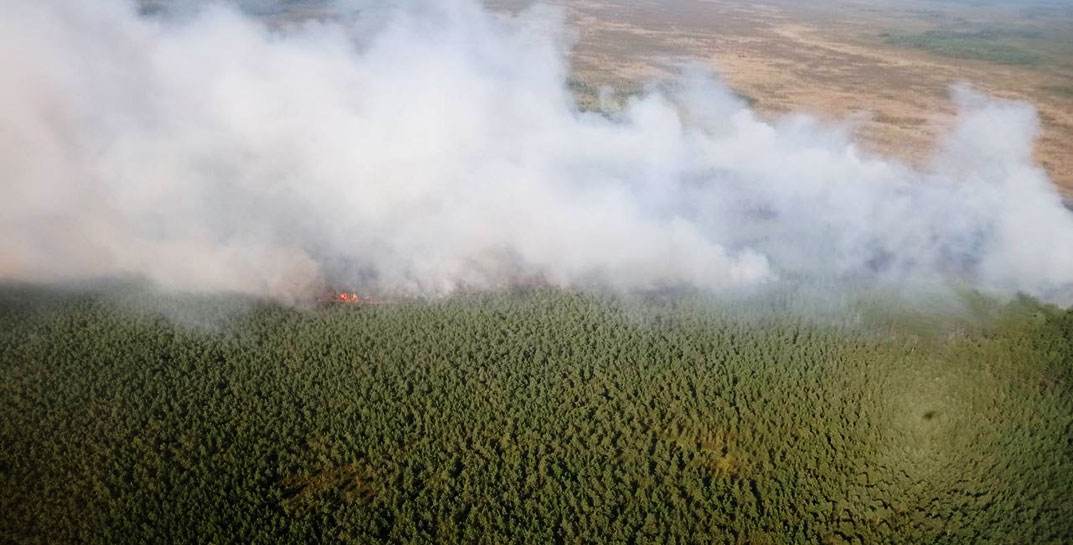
(433, 146)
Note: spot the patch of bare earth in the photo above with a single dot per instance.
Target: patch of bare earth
(828, 61)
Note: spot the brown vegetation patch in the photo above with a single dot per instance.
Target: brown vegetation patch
(832, 60)
(347, 483)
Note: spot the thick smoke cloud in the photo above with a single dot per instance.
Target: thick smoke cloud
(431, 146)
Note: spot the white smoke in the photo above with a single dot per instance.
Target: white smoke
(431, 145)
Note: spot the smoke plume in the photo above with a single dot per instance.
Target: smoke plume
(430, 145)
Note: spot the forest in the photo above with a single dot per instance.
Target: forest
(528, 417)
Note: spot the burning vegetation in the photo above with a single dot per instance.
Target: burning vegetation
(346, 297)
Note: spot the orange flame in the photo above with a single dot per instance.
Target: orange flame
(347, 297)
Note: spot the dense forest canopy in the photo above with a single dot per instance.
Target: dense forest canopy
(536, 417)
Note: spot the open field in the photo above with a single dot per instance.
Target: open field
(885, 68)
(535, 417)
